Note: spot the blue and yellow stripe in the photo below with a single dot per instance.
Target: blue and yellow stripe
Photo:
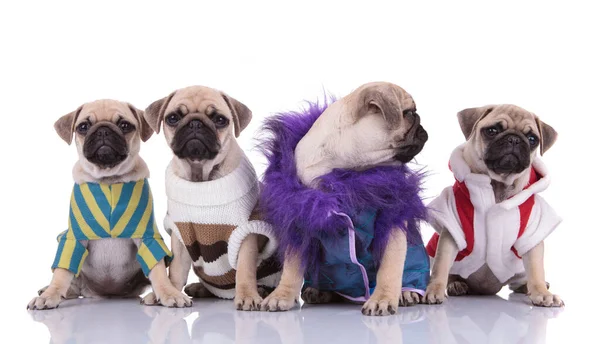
(97, 211)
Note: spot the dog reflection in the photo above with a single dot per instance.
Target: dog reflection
(489, 319)
(113, 321)
(218, 323)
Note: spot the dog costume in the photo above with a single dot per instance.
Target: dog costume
(340, 229)
(212, 219)
(488, 233)
(98, 211)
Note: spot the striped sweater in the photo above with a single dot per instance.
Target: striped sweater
(212, 219)
(122, 210)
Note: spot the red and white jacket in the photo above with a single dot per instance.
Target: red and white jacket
(486, 232)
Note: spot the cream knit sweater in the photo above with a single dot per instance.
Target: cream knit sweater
(212, 219)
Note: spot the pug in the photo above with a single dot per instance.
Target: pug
(492, 223)
(111, 246)
(212, 191)
(326, 165)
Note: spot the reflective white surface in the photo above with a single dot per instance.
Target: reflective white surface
(460, 320)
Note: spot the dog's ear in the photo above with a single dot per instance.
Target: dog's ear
(65, 126)
(241, 114)
(155, 112)
(380, 100)
(547, 135)
(144, 128)
(468, 118)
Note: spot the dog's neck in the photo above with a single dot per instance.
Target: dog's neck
(132, 169)
(504, 187)
(202, 171)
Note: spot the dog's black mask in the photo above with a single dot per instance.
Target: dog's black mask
(105, 146)
(195, 141)
(507, 153)
(415, 138)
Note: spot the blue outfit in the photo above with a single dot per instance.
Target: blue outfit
(348, 268)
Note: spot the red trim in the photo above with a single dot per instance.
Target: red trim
(525, 208)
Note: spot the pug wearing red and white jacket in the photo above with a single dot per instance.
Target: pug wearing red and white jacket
(491, 224)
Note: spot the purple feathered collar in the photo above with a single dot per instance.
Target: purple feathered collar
(302, 216)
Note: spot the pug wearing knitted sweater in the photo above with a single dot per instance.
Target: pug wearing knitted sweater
(212, 192)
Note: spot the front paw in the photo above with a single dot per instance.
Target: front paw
(281, 299)
(409, 298)
(169, 297)
(435, 293)
(247, 299)
(381, 304)
(544, 298)
(47, 300)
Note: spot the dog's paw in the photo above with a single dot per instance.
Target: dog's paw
(381, 304)
(281, 299)
(435, 293)
(149, 300)
(457, 288)
(247, 299)
(48, 299)
(545, 299)
(409, 298)
(168, 296)
(41, 291)
(197, 290)
(314, 296)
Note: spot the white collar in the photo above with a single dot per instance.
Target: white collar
(462, 172)
(220, 191)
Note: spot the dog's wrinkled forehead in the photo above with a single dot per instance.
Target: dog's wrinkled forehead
(105, 110)
(511, 117)
(198, 99)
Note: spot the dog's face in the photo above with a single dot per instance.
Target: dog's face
(376, 124)
(504, 138)
(200, 123)
(107, 135)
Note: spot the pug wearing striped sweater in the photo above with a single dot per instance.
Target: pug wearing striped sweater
(111, 246)
(212, 192)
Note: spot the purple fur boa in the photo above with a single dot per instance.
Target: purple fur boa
(303, 216)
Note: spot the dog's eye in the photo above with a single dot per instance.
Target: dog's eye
(220, 121)
(173, 119)
(491, 132)
(125, 127)
(82, 128)
(533, 140)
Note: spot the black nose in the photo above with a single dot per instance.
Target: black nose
(195, 124)
(514, 140)
(103, 132)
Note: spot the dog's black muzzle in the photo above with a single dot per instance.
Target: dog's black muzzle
(105, 145)
(195, 141)
(508, 153)
(415, 138)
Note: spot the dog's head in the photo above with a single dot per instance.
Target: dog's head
(375, 124)
(107, 135)
(200, 124)
(503, 139)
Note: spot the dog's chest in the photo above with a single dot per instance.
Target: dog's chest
(206, 241)
(111, 259)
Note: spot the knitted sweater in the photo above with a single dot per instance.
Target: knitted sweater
(122, 210)
(212, 219)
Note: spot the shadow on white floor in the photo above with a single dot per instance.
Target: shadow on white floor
(460, 320)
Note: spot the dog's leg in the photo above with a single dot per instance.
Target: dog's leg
(286, 294)
(457, 286)
(536, 282)
(246, 291)
(444, 257)
(315, 296)
(55, 292)
(388, 291)
(164, 291)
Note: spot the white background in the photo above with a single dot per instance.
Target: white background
(450, 55)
